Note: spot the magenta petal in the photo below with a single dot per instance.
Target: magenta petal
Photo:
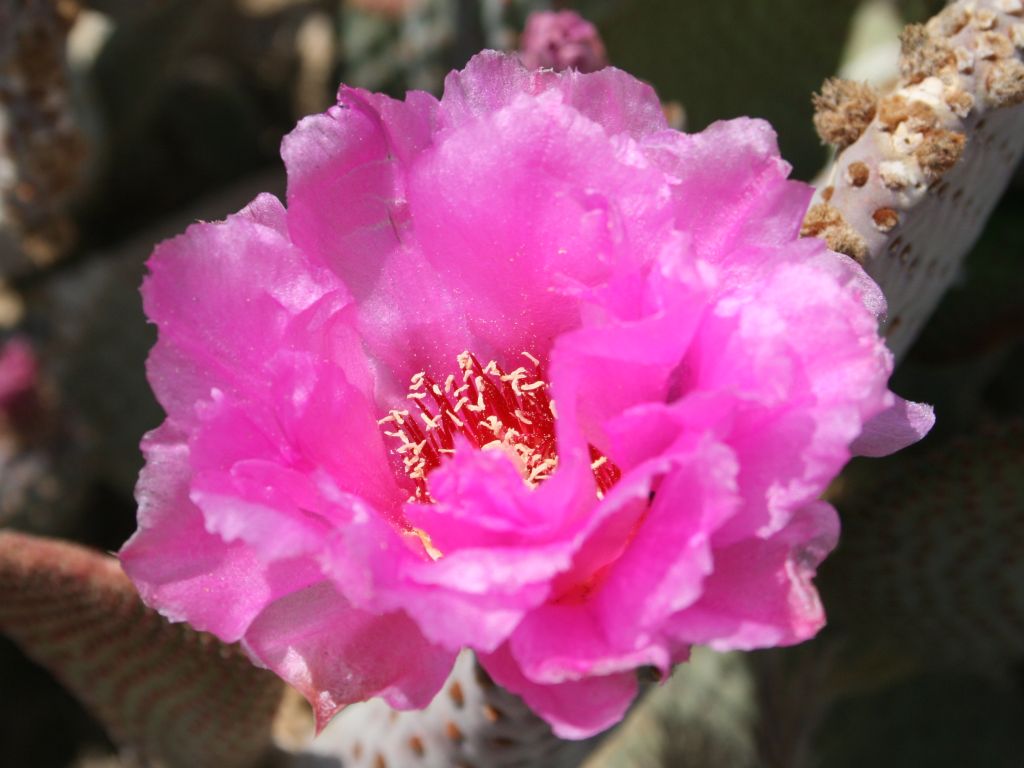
(490, 81)
(671, 554)
(760, 593)
(482, 501)
(266, 210)
(251, 479)
(601, 627)
(501, 548)
(599, 373)
(733, 188)
(223, 296)
(549, 164)
(343, 189)
(575, 709)
(187, 573)
(234, 458)
(335, 654)
(347, 209)
(900, 425)
(851, 275)
(560, 643)
(799, 399)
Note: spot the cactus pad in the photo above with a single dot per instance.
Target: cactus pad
(932, 555)
(909, 197)
(471, 723)
(168, 695)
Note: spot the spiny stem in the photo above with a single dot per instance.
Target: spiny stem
(921, 170)
(471, 723)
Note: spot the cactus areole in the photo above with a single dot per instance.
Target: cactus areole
(520, 370)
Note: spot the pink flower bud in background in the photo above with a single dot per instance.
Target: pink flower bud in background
(17, 374)
(561, 40)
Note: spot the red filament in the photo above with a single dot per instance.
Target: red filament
(491, 409)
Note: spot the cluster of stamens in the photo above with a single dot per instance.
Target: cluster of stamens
(492, 410)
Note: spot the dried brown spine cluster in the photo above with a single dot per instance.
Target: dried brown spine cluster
(843, 110)
(912, 186)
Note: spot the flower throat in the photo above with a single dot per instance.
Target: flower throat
(492, 410)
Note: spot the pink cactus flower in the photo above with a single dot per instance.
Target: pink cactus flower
(521, 370)
(18, 375)
(561, 40)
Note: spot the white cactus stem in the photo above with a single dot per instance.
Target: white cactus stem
(910, 196)
(471, 723)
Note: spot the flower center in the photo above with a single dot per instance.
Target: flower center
(492, 410)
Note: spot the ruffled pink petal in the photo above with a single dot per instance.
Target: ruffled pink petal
(257, 483)
(259, 503)
(332, 427)
(347, 208)
(601, 371)
(266, 210)
(800, 398)
(455, 618)
(620, 103)
(900, 425)
(731, 187)
(566, 638)
(575, 709)
(559, 643)
(594, 624)
(223, 296)
(670, 554)
(548, 164)
(482, 501)
(335, 654)
(847, 272)
(760, 592)
(366, 200)
(187, 573)
(345, 181)
(501, 543)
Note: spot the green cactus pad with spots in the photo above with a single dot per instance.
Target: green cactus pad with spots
(931, 559)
